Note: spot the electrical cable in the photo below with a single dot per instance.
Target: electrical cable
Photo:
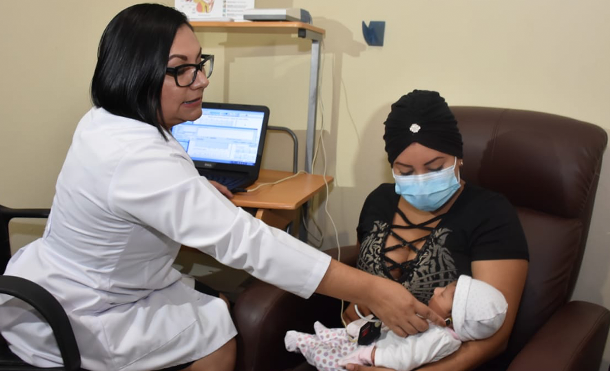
(364, 317)
(276, 182)
(318, 241)
(321, 141)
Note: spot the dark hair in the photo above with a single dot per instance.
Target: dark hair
(131, 61)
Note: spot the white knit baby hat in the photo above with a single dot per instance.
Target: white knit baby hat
(478, 310)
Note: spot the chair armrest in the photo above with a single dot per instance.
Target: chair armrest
(572, 339)
(46, 304)
(8, 213)
(263, 314)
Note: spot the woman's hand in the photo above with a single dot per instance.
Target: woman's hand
(222, 189)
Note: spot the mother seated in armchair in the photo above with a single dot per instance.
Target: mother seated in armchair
(431, 226)
(546, 165)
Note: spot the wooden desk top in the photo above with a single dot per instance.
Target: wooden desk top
(287, 195)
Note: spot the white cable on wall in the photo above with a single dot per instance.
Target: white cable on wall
(321, 141)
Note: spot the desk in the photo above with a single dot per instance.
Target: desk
(278, 204)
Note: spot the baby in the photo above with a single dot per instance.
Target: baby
(475, 309)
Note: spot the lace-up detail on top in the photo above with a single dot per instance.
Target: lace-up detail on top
(406, 268)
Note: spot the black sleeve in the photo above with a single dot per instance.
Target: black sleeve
(498, 233)
(379, 205)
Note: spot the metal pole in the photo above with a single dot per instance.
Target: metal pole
(312, 110)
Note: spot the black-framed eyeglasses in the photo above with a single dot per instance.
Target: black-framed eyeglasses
(186, 74)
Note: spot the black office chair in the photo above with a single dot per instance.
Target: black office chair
(36, 296)
(6, 214)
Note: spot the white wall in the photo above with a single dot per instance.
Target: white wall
(545, 55)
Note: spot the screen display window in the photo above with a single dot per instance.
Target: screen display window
(220, 135)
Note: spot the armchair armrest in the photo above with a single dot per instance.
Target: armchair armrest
(263, 314)
(572, 339)
(7, 213)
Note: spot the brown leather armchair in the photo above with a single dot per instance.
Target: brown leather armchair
(548, 166)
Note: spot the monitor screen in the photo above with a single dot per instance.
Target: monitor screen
(222, 136)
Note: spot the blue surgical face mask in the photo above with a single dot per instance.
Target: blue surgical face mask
(430, 191)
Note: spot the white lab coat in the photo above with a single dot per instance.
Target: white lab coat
(125, 201)
(404, 354)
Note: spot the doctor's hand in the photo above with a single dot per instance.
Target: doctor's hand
(389, 300)
(399, 310)
(222, 189)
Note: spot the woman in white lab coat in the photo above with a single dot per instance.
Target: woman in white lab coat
(128, 196)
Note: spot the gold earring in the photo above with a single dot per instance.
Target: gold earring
(461, 162)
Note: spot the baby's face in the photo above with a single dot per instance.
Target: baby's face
(442, 300)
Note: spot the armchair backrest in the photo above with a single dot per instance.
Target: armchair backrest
(548, 166)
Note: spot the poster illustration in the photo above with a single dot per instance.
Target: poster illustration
(201, 9)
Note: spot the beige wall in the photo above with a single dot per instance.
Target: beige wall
(547, 55)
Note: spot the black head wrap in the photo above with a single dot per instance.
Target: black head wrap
(423, 117)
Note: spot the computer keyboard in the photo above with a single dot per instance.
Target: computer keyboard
(229, 182)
